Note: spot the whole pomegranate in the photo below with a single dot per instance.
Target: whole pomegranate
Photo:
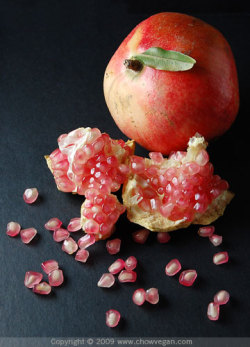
(174, 75)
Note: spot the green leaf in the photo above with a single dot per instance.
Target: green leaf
(160, 59)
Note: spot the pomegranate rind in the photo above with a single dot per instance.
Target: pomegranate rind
(154, 221)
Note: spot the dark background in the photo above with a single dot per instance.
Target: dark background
(52, 59)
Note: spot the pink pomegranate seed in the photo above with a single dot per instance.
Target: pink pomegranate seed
(32, 278)
(140, 236)
(112, 318)
(55, 278)
(139, 296)
(187, 277)
(53, 224)
(127, 276)
(28, 234)
(113, 246)
(74, 225)
(13, 229)
(222, 297)
(152, 296)
(49, 266)
(30, 195)
(131, 263)
(117, 266)
(106, 281)
(42, 288)
(86, 241)
(60, 234)
(213, 311)
(206, 231)
(173, 267)
(82, 255)
(91, 227)
(215, 239)
(163, 237)
(220, 258)
(69, 246)
(202, 158)
(157, 157)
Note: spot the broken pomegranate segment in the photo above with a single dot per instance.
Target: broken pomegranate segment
(163, 237)
(127, 276)
(60, 234)
(49, 266)
(117, 266)
(187, 277)
(113, 246)
(42, 288)
(86, 241)
(106, 281)
(13, 229)
(216, 240)
(140, 236)
(173, 267)
(82, 255)
(152, 296)
(206, 231)
(53, 224)
(222, 297)
(139, 296)
(213, 311)
(112, 318)
(69, 246)
(30, 195)
(220, 258)
(75, 224)
(130, 263)
(55, 278)
(32, 278)
(28, 234)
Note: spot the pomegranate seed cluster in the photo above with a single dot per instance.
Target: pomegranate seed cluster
(213, 310)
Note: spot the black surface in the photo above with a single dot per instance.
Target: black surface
(52, 59)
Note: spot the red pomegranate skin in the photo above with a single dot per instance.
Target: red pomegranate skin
(161, 110)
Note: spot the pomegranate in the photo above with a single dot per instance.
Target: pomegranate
(172, 76)
(173, 193)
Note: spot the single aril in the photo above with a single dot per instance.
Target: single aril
(112, 318)
(74, 225)
(53, 224)
(86, 241)
(60, 234)
(222, 297)
(55, 278)
(173, 267)
(117, 266)
(49, 266)
(216, 240)
(69, 246)
(206, 231)
(213, 311)
(106, 281)
(163, 237)
(140, 236)
(113, 246)
(42, 288)
(220, 258)
(13, 229)
(187, 277)
(82, 255)
(28, 234)
(127, 276)
(130, 263)
(152, 296)
(32, 278)
(30, 195)
(139, 296)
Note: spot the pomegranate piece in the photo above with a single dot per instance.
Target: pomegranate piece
(106, 281)
(113, 246)
(206, 231)
(82, 255)
(74, 225)
(127, 276)
(42, 288)
(112, 318)
(69, 246)
(163, 237)
(152, 296)
(55, 278)
(187, 277)
(117, 266)
(60, 234)
(140, 236)
(139, 296)
(216, 240)
(30, 195)
(130, 263)
(86, 241)
(173, 267)
(213, 311)
(32, 278)
(53, 224)
(28, 234)
(13, 229)
(49, 266)
(222, 297)
(220, 258)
